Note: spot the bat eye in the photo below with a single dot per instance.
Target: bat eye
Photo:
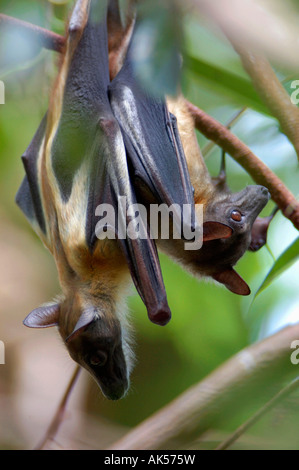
(236, 216)
(98, 359)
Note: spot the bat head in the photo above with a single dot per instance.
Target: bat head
(238, 212)
(98, 347)
(97, 342)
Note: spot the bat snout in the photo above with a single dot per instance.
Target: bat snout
(251, 201)
(114, 389)
(110, 375)
(265, 192)
(258, 198)
(259, 194)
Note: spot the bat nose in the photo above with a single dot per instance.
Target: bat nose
(265, 192)
(113, 387)
(117, 390)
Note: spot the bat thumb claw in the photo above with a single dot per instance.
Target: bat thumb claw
(160, 317)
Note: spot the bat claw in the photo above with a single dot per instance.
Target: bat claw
(160, 318)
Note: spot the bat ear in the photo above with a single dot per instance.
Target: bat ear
(86, 317)
(43, 317)
(216, 230)
(232, 281)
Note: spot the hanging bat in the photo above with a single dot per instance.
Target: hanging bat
(85, 153)
(81, 160)
(230, 220)
(238, 211)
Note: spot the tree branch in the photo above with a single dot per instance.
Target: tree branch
(210, 145)
(253, 374)
(59, 415)
(41, 36)
(260, 173)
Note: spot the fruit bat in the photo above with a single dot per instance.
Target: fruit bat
(230, 220)
(80, 161)
(90, 150)
(238, 211)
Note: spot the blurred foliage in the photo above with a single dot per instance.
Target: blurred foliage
(156, 43)
(285, 260)
(235, 87)
(209, 324)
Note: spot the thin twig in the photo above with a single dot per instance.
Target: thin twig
(259, 414)
(257, 370)
(209, 146)
(271, 91)
(259, 172)
(60, 412)
(43, 37)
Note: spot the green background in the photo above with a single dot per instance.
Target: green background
(209, 324)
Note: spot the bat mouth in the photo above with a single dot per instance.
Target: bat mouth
(113, 390)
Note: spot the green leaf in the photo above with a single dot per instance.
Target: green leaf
(223, 81)
(285, 260)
